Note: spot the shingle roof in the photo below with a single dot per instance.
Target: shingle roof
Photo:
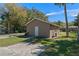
(42, 21)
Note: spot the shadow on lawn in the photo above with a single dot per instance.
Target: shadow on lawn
(21, 36)
(34, 40)
(62, 48)
(31, 40)
(56, 47)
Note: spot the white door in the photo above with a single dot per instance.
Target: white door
(36, 31)
(51, 33)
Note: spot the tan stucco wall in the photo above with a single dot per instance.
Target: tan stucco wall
(43, 28)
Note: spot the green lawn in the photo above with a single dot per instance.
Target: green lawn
(60, 46)
(54, 47)
(71, 34)
(62, 36)
(10, 41)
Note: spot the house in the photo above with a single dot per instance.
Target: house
(37, 27)
(2, 29)
(70, 28)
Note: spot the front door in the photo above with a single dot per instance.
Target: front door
(36, 30)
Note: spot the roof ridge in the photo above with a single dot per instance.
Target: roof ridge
(42, 21)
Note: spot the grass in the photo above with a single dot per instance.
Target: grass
(60, 46)
(71, 34)
(61, 36)
(10, 41)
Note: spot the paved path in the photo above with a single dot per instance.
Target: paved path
(8, 35)
(4, 36)
(21, 49)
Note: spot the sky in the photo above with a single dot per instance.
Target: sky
(54, 12)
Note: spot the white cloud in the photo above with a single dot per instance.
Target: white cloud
(72, 12)
(54, 13)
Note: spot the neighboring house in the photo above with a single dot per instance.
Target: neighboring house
(2, 29)
(70, 28)
(37, 27)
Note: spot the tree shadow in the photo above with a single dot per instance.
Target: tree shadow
(55, 47)
(21, 36)
(35, 40)
(62, 48)
(39, 50)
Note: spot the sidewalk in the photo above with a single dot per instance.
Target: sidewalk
(8, 35)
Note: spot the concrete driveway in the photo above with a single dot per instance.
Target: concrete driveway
(4, 36)
(21, 49)
(8, 35)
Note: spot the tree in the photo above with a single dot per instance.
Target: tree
(34, 13)
(4, 16)
(77, 20)
(16, 17)
(71, 23)
(65, 14)
(59, 23)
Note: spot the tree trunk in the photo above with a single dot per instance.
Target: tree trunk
(14, 29)
(8, 28)
(78, 32)
(65, 13)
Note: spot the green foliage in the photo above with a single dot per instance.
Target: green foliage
(59, 23)
(71, 23)
(16, 17)
(38, 14)
(76, 20)
(62, 48)
(58, 46)
(60, 4)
